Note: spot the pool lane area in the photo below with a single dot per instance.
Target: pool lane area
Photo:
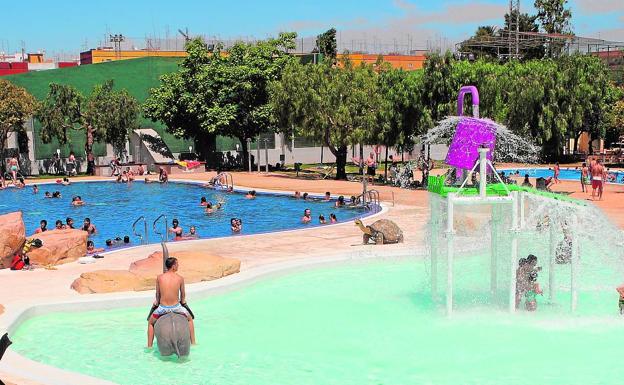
(113, 207)
(573, 174)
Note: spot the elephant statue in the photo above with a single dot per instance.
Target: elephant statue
(173, 335)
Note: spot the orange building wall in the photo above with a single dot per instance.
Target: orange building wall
(406, 62)
(104, 55)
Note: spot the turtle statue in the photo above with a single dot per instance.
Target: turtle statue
(381, 232)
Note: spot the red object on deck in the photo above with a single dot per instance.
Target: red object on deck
(5, 65)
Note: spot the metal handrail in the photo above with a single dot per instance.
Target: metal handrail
(373, 198)
(164, 238)
(229, 179)
(143, 241)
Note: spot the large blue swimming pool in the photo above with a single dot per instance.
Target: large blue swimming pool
(113, 207)
(566, 174)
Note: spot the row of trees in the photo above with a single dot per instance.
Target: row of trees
(106, 115)
(258, 87)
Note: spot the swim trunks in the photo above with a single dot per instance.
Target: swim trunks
(177, 308)
(596, 182)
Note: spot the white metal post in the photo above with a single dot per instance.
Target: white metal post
(258, 152)
(449, 253)
(514, 251)
(483, 171)
(494, 249)
(574, 262)
(553, 256)
(434, 214)
(522, 219)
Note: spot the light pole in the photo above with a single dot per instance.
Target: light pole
(266, 154)
(258, 152)
(249, 153)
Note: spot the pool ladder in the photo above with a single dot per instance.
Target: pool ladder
(229, 180)
(373, 201)
(144, 238)
(164, 237)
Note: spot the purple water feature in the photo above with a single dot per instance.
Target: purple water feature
(470, 134)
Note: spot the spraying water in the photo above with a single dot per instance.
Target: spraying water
(509, 146)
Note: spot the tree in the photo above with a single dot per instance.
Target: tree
(219, 93)
(400, 110)
(107, 115)
(554, 18)
(326, 44)
(16, 107)
(337, 106)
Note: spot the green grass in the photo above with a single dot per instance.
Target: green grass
(135, 75)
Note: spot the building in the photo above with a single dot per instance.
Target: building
(19, 63)
(106, 54)
(405, 62)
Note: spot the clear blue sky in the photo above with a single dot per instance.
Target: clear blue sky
(64, 25)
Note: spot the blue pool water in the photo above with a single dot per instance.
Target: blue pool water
(113, 207)
(566, 173)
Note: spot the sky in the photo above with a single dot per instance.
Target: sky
(70, 26)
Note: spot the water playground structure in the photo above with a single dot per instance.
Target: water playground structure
(466, 210)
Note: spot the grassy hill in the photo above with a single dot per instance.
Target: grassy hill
(135, 75)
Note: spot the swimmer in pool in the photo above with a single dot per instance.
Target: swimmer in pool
(327, 196)
(340, 202)
(192, 234)
(43, 226)
(91, 249)
(35, 189)
(203, 201)
(77, 201)
(69, 223)
(208, 208)
(58, 225)
(236, 225)
(297, 195)
(307, 216)
(88, 226)
(332, 218)
(47, 195)
(305, 196)
(175, 229)
(251, 194)
(322, 220)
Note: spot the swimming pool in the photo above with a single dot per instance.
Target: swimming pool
(360, 323)
(113, 207)
(566, 173)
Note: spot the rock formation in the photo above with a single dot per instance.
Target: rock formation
(195, 266)
(59, 246)
(12, 237)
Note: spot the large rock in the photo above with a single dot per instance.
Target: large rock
(12, 237)
(194, 266)
(109, 281)
(59, 246)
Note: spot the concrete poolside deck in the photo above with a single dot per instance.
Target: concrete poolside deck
(409, 209)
